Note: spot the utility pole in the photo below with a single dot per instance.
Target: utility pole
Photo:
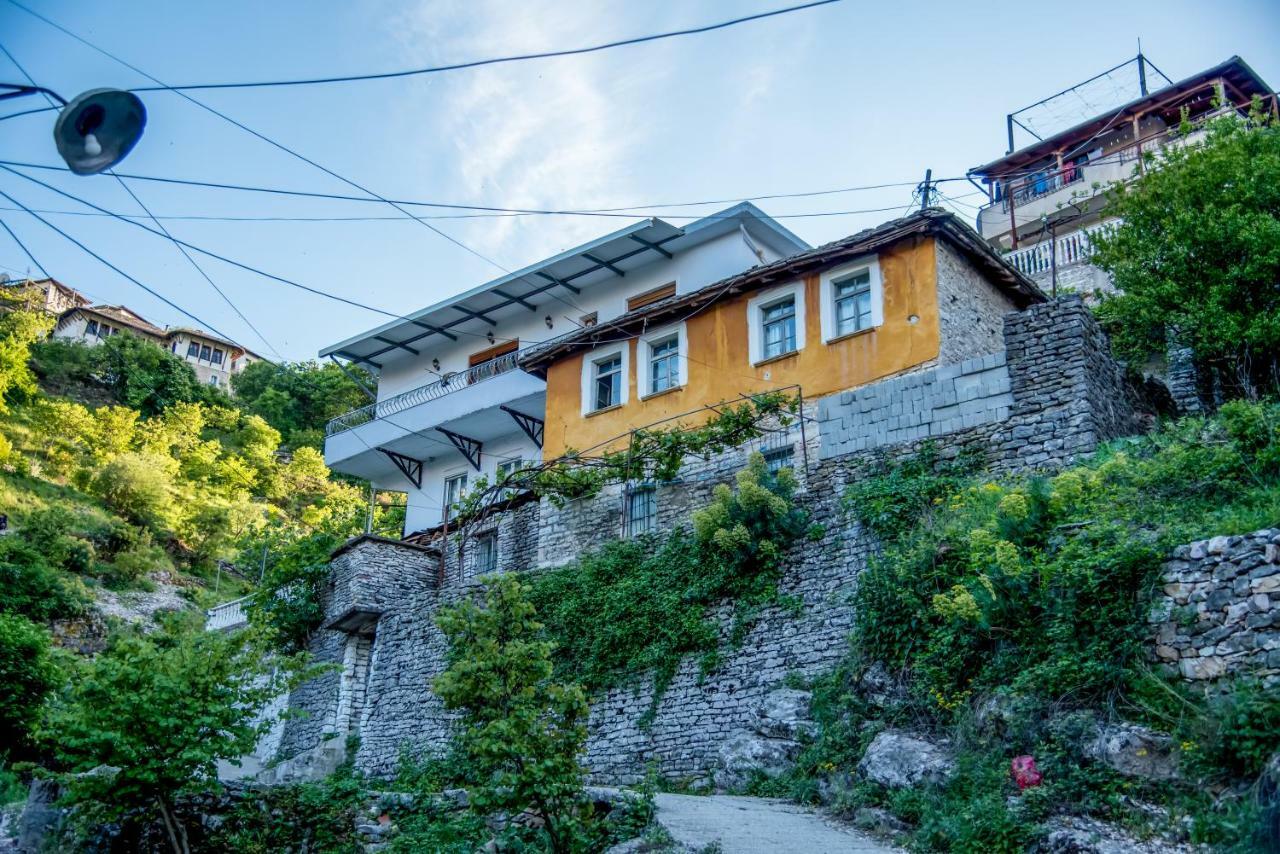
(925, 189)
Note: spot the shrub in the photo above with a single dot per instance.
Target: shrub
(31, 587)
(137, 487)
(27, 675)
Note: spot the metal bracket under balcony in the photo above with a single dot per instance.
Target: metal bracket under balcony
(408, 466)
(532, 427)
(469, 447)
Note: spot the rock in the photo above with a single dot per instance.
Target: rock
(784, 713)
(900, 760)
(748, 755)
(1081, 835)
(878, 685)
(879, 821)
(1134, 751)
(1210, 667)
(1269, 799)
(41, 818)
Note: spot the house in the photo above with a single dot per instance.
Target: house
(46, 295)
(1046, 198)
(663, 322)
(91, 324)
(454, 406)
(214, 359)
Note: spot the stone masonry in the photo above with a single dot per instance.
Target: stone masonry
(1219, 614)
(1050, 394)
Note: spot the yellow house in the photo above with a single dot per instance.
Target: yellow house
(916, 292)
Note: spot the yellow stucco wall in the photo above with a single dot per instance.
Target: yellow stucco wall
(720, 367)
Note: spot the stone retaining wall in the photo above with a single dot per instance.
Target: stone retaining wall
(1219, 612)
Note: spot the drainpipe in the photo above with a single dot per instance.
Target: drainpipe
(751, 244)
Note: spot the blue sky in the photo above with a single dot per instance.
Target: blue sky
(849, 94)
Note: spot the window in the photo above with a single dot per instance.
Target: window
(193, 350)
(217, 357)
(492, 353)
(649, 297)
(778, 325)
(852, 298)
(205, 352)
(506, 469)
(664, 364)
(454, 488)
(213, 380)
(487, 553)
(642, 510)
(608, 383)
(853, 302)
(778, 459)
(92, 328)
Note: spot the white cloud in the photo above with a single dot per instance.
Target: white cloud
(556, 133)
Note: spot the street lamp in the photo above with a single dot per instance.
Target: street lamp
(96, 130)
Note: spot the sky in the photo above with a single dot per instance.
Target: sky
(845, 95)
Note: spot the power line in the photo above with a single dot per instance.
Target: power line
(24, 248)
(477, 63)
(616, 212)
(120, 272)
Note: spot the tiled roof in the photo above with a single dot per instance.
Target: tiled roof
(123, 315)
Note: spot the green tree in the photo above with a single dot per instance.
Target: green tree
(521, 732)
(298, 398)
(27, 675)
(1197, 252)
(149, 378)
(18, 331)
(157, 712)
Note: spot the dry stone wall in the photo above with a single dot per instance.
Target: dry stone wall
(1052, 394)
(1219, 612)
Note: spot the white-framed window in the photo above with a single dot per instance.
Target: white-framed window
(454, 489)
(852, 298)
(487, 553)
(604, 377)
(642, 509)
(213, 381)
(663, 361)
(217, 357)
(91, 328)
(193, 350)
(506, 469)
(775, 321)
(205, 352)
(777, 459)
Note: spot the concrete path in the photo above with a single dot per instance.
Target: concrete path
(758, 826)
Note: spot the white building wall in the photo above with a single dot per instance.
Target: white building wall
(425, 505)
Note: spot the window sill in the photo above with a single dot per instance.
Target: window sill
(777, 358)
(595, 412)
(848, 335)
(651, 395)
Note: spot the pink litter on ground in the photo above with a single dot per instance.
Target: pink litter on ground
(1024, 771)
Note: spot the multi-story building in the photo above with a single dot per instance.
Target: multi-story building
(214, 359)
(453, 404)
(1046, 198)
(46, 295)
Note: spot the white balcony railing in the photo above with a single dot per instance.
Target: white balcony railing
(441, 387)
(228, 615)
(1073, 248)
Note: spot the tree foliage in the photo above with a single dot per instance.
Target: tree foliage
(155, 713)
(521, 731)
(1197, 252)
(298, 398)
(19, 329)
(27, 675)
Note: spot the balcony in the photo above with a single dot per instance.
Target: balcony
(228, 615)
(1073, 248)
(465, 403)
(447, 384)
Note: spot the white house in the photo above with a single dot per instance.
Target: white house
(453, 406)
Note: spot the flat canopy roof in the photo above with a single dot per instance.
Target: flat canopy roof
(1235, 73)
(567, 273)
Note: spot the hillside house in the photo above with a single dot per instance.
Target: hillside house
(214, 359)
(45, 295)
(1046, 198)
(679, 320)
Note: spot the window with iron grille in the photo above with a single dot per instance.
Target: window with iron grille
(487, 553)
(779, 327)
(608, 382)
(853, 302)
(664, 364)
(777, 459)
(642, 510)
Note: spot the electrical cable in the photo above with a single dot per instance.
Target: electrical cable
(625, 212)
(477, 63)
(24, 248)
